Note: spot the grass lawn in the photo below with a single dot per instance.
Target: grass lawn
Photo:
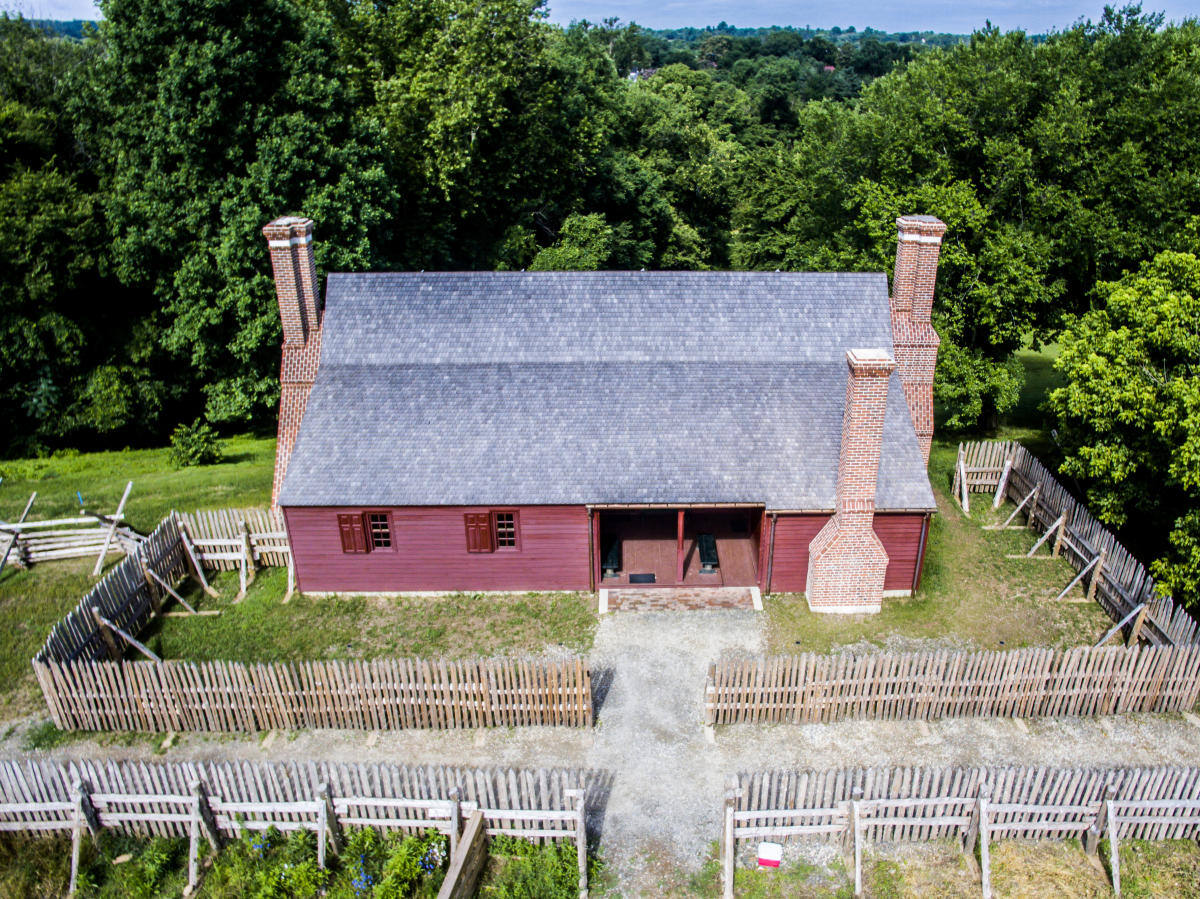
(262, 628)
(1045, 869)
(32, 601)
(243, 479)
(971, 596)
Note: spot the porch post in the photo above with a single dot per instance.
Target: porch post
(679, 550)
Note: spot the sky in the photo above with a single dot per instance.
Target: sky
(954, 16)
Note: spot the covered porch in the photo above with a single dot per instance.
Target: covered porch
(693, 546)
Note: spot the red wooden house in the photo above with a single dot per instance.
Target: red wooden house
(569, 431)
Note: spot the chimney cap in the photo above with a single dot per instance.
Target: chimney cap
(288, 226)
(872, 361)
(921, 224)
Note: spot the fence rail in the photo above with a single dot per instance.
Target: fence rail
(225, 798)
(223, 528)
(1122, 583)
(380, 694)
(928, 685)
(899, 804)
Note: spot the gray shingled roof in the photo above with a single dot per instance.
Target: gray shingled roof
(597, 387)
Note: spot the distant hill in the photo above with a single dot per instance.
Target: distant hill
(72, 28)
(837, 35)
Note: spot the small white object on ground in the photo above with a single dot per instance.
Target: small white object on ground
(769, 855)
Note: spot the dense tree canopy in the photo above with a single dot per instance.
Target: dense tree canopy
(1131, 408)
(137, 166)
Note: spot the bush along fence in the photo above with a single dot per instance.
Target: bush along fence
(89, 685)
(976, 806)
(1117, 580)
(379, 694)
(1020, 683)
(216, 800)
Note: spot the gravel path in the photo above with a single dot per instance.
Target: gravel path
(667, 780)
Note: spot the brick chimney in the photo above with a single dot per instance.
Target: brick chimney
(846, 561)
(289, 241)
(919, 242)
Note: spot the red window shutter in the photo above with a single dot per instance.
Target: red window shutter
(354, 537)
(479, 532)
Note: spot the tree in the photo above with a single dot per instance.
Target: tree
(212, 117)
(1129, 416)
(50, 321)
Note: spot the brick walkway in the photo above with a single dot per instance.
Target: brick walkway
(680, 599)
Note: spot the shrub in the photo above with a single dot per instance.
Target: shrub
(195, 444)
(522, 870)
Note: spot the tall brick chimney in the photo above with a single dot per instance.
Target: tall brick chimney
(289, 241)
(918, 244)
(846, 561)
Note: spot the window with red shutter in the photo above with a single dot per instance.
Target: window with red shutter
(479, 532)
(353, 534)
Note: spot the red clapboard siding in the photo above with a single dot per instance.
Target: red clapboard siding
(429, 552)
(899, 532)
(793, 533)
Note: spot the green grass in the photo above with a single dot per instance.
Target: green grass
(261, 627)
(243, 479)
(1040, 379)
(32, 601)
(970, 594)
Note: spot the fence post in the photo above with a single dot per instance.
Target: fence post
(580, 838)
(327, 816)
(110, 642)
(1096, 573)
(85, 814)
(1114, 848)
(1058, 537)
(1091, 836)
(856, 836)
(153, 590)
(455, 819)
(728, 841)
(1002, 488)
(710, 704)
(1031, 521)
(1136, 630)
(969, 836)
(207, 819)
(248, 548)
(985, 858)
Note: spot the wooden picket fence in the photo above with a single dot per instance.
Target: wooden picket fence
(976, 805)
(217, 800)
(377, 694)
(127, 597)
(1122, 584)
(1021, 683)
(219, 534)
(88, 685)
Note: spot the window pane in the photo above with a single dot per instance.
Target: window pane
(381, 531)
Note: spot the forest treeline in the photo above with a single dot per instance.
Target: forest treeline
(138, 165)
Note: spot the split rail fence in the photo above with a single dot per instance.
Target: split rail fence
(1118, 581)
(24, 542)
(217, 800)
(379, 694)
(89, 685)
(815, 688)
(854, 806)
